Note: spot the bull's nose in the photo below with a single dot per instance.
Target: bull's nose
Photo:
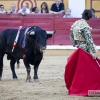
(43, 48)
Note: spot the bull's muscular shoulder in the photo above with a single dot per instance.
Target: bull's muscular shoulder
(12, 30)
(8, 32)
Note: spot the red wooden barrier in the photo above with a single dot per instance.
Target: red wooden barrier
(49, 22)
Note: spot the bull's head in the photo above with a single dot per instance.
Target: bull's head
(40, 37)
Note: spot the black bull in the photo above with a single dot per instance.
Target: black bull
(31, 53)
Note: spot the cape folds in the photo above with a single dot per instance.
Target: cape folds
(82, 73)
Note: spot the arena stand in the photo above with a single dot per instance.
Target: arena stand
(49, 22)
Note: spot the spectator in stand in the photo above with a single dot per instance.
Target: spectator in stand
(44, 8)
(12, 9)
(68, 13)
(57, 7)
(35, 10)
(24, 10)
(93, 13)
(27, 5)
(2, 11)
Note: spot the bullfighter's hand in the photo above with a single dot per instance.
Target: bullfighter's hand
(94, 55)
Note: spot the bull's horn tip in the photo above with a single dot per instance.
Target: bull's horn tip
(54, 31)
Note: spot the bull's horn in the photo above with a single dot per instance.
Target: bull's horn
(32, 33)
(51, 32)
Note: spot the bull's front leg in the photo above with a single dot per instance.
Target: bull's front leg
(35, 72)
(28, 68)
(36, 65)
(12, 65)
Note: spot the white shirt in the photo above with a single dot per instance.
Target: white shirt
(27, 11)
(10, 11)
(65, 16)
(2, 12)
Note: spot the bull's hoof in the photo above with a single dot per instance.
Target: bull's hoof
(36, 80)
(28, 79)
(15, 79)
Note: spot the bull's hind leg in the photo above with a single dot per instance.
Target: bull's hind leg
(1, 64)
(12, 65)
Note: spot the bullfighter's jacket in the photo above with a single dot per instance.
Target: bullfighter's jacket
(81, 35)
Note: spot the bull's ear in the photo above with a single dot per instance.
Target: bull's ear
(49, 36)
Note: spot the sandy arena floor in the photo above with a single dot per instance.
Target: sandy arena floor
(50, 87)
